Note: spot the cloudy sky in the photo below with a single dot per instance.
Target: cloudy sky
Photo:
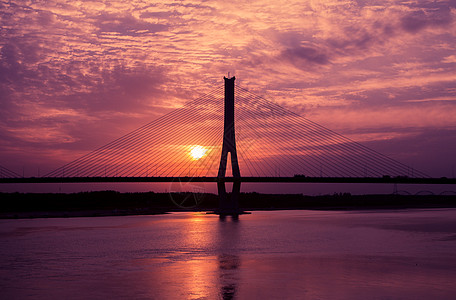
(75, 75)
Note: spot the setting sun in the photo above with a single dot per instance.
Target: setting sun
(197, 152)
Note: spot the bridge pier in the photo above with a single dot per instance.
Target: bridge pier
(229, 203)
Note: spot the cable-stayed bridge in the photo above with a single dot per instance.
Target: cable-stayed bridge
(8, 174)
(232, 136)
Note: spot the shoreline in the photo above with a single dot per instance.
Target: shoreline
(111, 203)
(90, 214)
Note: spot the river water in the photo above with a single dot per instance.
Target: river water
(405, 254)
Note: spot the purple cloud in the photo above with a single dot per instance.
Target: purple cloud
(126, 24)
(307, 54)
(74, 75)
(437, 15)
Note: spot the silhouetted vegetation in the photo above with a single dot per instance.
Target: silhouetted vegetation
(18, 205)
(342, 201)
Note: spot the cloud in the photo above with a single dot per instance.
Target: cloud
(82, 72)
(307, 54)
(437, 16)
(166, 15)
(126, 24)
(122, 88)
(449, 59)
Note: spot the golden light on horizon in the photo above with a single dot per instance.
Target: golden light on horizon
(197, 152)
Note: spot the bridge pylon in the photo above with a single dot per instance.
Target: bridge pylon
(229, 203)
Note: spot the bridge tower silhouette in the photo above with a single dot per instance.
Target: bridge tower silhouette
(229, 203)
(269, 142)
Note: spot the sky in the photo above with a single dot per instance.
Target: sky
(75, 75)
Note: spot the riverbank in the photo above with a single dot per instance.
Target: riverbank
(111, 203)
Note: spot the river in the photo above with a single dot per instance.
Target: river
(403, 254)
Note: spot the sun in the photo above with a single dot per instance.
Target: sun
(197, 152)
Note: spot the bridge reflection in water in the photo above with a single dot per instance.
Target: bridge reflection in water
(406, 254)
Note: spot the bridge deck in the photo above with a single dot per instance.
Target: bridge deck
(297, 179)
